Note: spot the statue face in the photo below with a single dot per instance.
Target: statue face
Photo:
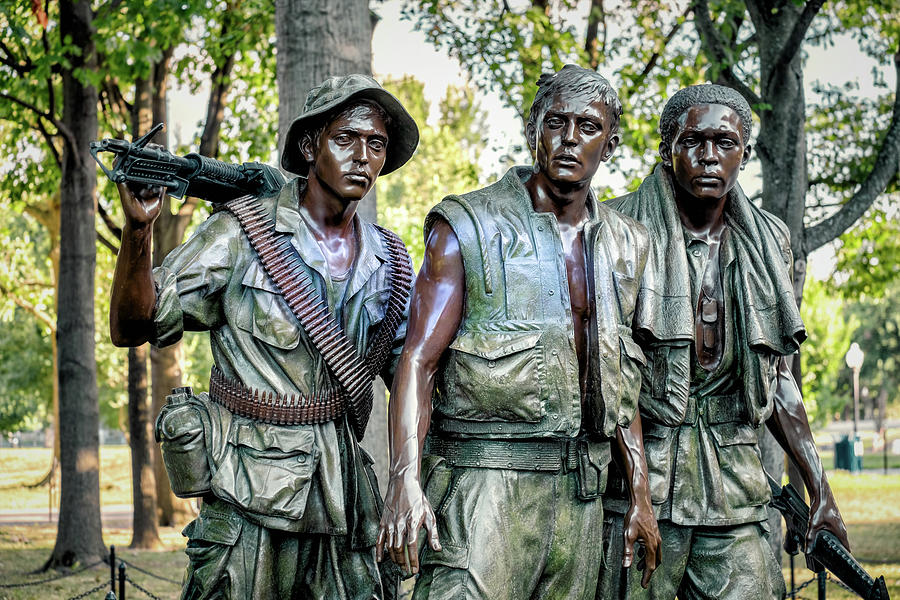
(707, 151)
(350, 153)
(575, 135)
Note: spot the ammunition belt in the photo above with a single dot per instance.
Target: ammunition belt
(519, 455)
(284, 266)
(274, 408)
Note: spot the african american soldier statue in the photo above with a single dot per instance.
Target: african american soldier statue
(715, 316)
(520, 361)
(304, 303)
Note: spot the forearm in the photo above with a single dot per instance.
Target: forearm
(410, 415)
(790, 426)
(631, 449)
(133, 294)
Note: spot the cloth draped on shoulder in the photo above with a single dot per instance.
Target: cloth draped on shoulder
(766, 313)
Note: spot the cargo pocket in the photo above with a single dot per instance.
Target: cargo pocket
(267, 469)
(592, 472)
(211, 537)
(658, 445)
(441, 482)
(264, 312)
(495, 376)
(743, 478)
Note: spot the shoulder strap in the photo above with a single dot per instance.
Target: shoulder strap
(283, 265)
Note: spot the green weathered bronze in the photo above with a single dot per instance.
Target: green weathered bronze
(288, 511)
(520, 360)
(715, 316)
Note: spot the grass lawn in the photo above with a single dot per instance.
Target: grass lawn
(869, 502)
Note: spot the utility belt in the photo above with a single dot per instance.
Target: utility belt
(588, 459)
(727, 408)
(272, 407)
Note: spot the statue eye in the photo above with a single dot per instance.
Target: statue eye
(377, 145)
(342, 139)
(554, 122)
(688, 141)
(589, 128)
(727, 143)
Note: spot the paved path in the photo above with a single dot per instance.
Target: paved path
(115, 515)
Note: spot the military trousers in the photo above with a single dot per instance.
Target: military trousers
(698, 563)
(231, 557)
(510, 535)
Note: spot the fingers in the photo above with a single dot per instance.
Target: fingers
(379, 543)
(651, 562)
(431, 531)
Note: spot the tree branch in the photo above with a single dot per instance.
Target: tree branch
(39, 314)
(655, 58)
(114, 229)
(798, 33)
(112, 247)
(49, 139)
(885, 167)
(14, 63)
(60, 126)
(715, 46)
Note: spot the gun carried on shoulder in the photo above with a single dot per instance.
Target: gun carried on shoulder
(190, 175)
(827, 552)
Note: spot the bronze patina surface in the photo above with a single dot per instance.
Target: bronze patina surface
(292, 510)
(519, 358)
(715, 316)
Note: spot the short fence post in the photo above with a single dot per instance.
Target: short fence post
(793, 593)
(821, 576)
(121, 581)
(112, 569)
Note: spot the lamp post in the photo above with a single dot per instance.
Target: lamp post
(854, 360)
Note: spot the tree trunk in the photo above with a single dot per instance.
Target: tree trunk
(79, 537)
(317, 39)
(781, 147)
(145, 534)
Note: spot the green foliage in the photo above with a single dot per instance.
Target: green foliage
(443, 164)
(824, 383)
(507, 49)
(878, 335)
(868, 261)
(26, 373)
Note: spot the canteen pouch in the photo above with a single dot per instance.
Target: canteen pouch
(179, 430)
(591, 473)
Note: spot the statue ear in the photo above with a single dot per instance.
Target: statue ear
(665, 153)
(746, 158)
(306, 149)
(531, 136)
(611, 146)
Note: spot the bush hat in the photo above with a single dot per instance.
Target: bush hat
(331, 95)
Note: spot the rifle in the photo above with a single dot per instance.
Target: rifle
(826, 552)
(192, 175)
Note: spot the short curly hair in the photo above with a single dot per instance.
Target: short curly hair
(575, 80)
(708, 93)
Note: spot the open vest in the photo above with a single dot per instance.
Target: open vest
(512, 371)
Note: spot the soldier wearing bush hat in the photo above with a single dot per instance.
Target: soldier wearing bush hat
(290, 502)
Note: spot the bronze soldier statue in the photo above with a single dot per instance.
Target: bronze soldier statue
(519, 359)
(290, 503)
(715, 316)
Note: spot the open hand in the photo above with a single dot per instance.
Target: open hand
(405, 511)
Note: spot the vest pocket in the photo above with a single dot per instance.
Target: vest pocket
(494, 376)
(266, 315)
